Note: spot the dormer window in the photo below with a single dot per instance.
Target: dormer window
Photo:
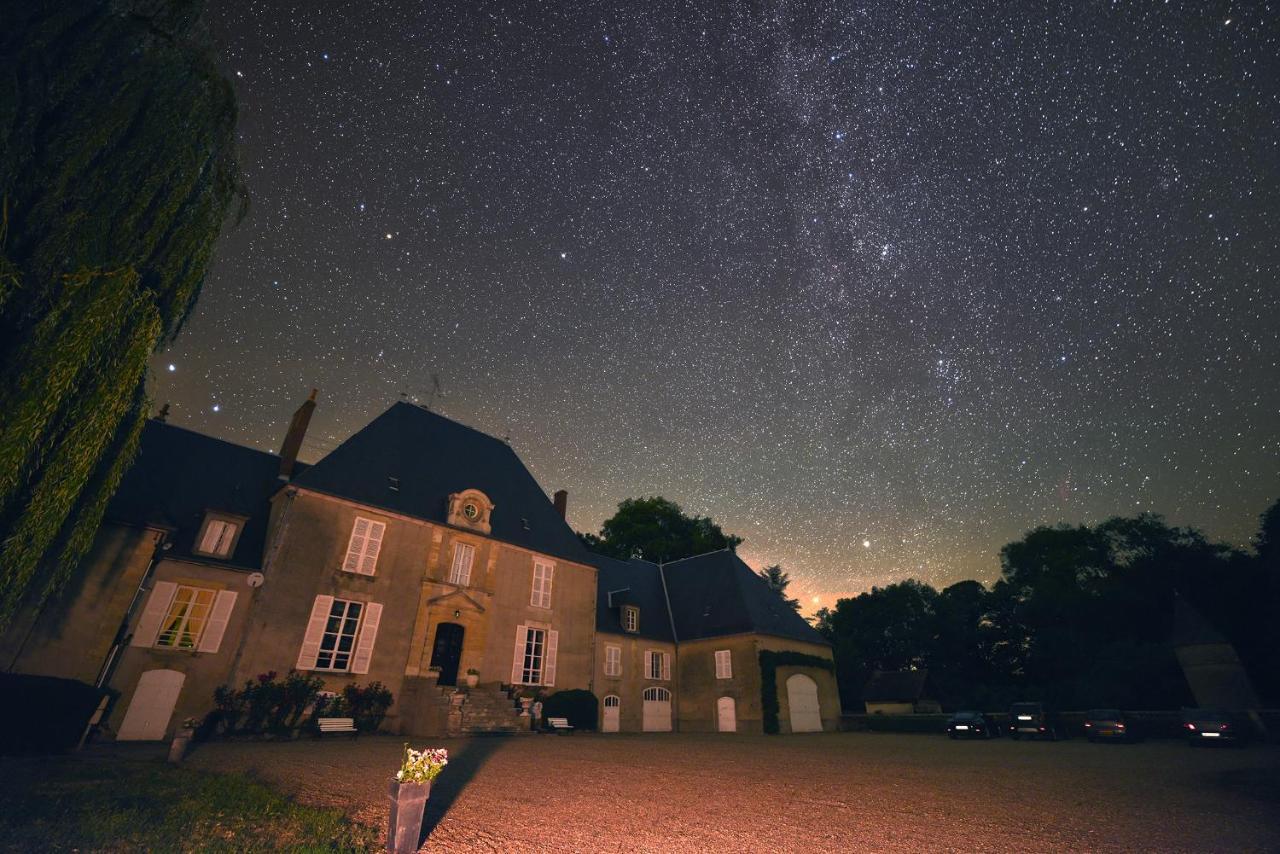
(631, 618)
(470, 509)
(218, 535)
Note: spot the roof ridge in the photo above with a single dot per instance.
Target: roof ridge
(420, 408)
(167, 426)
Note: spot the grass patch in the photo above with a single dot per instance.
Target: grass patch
(95, 805)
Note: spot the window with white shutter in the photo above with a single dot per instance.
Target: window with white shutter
(613, 661)
(154, 613)
(535, 656)
(364, 545)
(657, 665)
(542, 573)
(724, 664)
(368, 635)
(183, 616)
(315, 632)
(549, 670)
(219, 617)
(217, 538)
(340, 635)
(460, 571)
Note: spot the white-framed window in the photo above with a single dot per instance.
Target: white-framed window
(630, 618)
(464, 555)
(340, 635)
(657, 665)
(540, 597)
(613, 660)
(534, 661)
(724, 664)
(185, 617)
(218, 537)
(364, 545)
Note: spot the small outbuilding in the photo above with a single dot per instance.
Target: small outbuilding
(899, 692)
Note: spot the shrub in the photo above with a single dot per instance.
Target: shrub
(368, 705)
(579, 706)
(263, 705)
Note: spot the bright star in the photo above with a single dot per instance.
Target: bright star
(172, 368)
(866, 544)
(217, 407)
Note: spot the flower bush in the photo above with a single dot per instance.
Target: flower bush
(270, 705)
(422, 766)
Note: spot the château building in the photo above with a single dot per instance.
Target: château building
(417, 550)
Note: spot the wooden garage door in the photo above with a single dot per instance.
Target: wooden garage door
(657, 710)
(152, 706)
(612, 707)
(802, 698)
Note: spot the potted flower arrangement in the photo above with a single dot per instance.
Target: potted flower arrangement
(409, 792)
(473, 677)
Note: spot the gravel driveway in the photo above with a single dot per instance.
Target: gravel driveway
(846, 792)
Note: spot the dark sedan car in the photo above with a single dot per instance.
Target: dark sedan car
(1033, 720)
(1109, 725)
(971, 725)
(1213, 726)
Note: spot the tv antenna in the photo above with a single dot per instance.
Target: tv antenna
(436, 389)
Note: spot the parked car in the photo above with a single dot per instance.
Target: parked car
(1109, 725)
(1210, 726)
(971, 725)
(1035, 721)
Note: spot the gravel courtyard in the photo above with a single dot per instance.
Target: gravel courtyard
(846, 792)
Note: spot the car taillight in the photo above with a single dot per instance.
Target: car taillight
(1191, 726)
(1225, 726)
(1042, 729)
(1119, 726)
(1087, 724)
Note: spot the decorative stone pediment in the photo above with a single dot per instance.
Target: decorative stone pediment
(458, 597)
(470, 509)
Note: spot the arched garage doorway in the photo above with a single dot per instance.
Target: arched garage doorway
(612, 712)
(802, 700)
(657, 710)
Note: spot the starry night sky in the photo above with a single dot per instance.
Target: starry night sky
(878, 286)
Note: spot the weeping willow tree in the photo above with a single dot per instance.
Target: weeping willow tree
(117, 171)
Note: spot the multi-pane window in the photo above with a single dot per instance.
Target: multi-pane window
(217, 538)
(657, 665)
(631, 618)
(541, 596)
(185, 621)
(339, 638)
(463, 556)
(724, 664)
(535, 648)
(613, 661)
(364, 545)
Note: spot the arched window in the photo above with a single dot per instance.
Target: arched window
(612, 701)
(659, 694)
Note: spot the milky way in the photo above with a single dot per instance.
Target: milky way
(877, 286)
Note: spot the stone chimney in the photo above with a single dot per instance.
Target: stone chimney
(297, 432)
(561, 500)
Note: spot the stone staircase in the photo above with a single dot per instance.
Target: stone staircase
(430, 709)
(487, 709)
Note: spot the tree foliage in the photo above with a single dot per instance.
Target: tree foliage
(778, 580)
(657, 530)
(1081, 616)
(117, 171)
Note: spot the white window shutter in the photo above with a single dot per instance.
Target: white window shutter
(315, 632)
(546, 585)
(648, 664)
(212, 533)
(666, 665)
(368, 636)
(517, 663)
(219, 616)
(549, 666)
(157, 608)
(372, 546)
(355, 546)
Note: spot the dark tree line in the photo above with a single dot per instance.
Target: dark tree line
(1081, 616)
(117, 170)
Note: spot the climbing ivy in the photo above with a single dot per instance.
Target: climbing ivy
(117, 171)
(770, 661)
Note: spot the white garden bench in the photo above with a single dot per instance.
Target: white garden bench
(327, 725)
(560, 725)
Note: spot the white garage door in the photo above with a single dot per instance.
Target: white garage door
(802, 698)
(612, 706)
(151, 706)
(657, 710)
(726, 715)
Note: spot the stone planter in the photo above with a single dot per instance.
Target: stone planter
(525, 704)
(181, 744)
(408, 803)
(473, 679)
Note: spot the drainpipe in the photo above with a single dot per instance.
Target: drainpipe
(675, 656)
(122, 634)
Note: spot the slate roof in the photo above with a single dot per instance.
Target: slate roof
(179, 474)
(711, 595)
(888, 686)
(718, 594)
(431, 457)
(632, 582)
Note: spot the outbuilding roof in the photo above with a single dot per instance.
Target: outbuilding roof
(631, 582)
(179, 475)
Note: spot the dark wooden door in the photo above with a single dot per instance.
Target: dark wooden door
(447, 651)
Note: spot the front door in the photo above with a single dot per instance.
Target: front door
(447, 652)
(726, 715)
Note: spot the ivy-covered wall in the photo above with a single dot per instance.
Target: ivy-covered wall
(770, 661)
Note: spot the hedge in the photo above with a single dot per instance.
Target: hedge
(579, 706)
(770, 661)
(44, 714)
